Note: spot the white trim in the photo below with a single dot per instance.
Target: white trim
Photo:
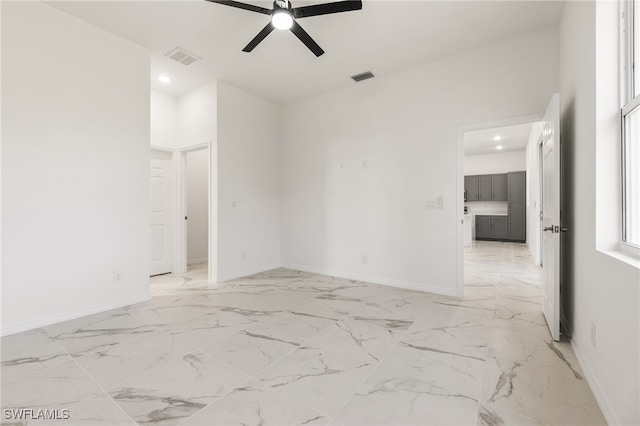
(77, 313)
(246, 272)
(196, 147)
(199, 260)
(409, 285)
(181, 240)
(601, 398)
(460, 131)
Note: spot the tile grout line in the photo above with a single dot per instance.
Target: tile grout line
(377, 366)
(99, 387)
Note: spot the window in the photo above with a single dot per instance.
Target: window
(631, 125)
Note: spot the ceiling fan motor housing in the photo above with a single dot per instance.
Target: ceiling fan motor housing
(282, 4)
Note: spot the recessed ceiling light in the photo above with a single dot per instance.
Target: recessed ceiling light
(164, 79)
(499, 147)
(497, 138)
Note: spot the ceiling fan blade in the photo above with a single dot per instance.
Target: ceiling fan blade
(327, 8)
(244, 6)
(306, 39)
(257, 39)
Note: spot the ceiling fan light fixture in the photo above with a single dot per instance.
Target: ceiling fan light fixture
(282, 20)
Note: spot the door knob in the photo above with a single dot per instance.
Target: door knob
(563, 229)
(548, 228)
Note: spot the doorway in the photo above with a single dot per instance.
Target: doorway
(196, 192)
(197, 204)
(498, 184)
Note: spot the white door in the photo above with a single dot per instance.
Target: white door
(160, 236)
(551, 216)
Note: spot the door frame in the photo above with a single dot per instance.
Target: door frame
(181, 208)
(173, 167)
(460, 131)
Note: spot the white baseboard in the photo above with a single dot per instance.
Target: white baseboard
(65, 316)
(601, 398)
(375, 280)
(200, 260)
(245, 272)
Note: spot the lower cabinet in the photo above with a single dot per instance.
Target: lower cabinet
(517, 230)
(498, 227)
(491, 227)
(483, 227)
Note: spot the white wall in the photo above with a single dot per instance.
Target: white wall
(533, 193)
(197, 177)
(248, 183)
(598, 288)
(164, 120)
(197, 115)
(75, 168)
(513, 161)
(405, 127)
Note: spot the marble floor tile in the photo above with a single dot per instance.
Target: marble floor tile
(256, 404)
(463, 338)
(549, 394)
(28, 352)
(209, 328)
(116, 364)
(170, 393)
(251, 351)
(365, 339)
(389, 398)
(97, 332)
(487, 417)
(98, 411)
(289, 347)
(456, 372)
(321, 378)
(59, 386)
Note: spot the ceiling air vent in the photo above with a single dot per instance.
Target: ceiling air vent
(182, 56)
(364, 76)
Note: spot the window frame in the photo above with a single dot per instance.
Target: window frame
(630, 103)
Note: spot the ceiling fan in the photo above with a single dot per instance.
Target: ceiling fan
(283, 17)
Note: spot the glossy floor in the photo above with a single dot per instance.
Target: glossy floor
(288, 347)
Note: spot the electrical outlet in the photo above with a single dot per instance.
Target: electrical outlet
(341, 165)
(234, 204)
(117, 277)
(440, 202)
(593, 334)
(243, 255)
(365, 259)
(365, 164)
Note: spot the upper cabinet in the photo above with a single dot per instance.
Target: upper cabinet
(499, 185)
(517, 186)
(484, 187)
(471, 188)
(496, 187)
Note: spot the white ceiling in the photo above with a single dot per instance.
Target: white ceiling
(384, 37)
(512, 138)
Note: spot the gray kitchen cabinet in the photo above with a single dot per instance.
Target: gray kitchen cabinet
(498, 227)
(483, 227)
(484, 187)
(516, 186)
(499, 186)
(472, 188)
(517, 221)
